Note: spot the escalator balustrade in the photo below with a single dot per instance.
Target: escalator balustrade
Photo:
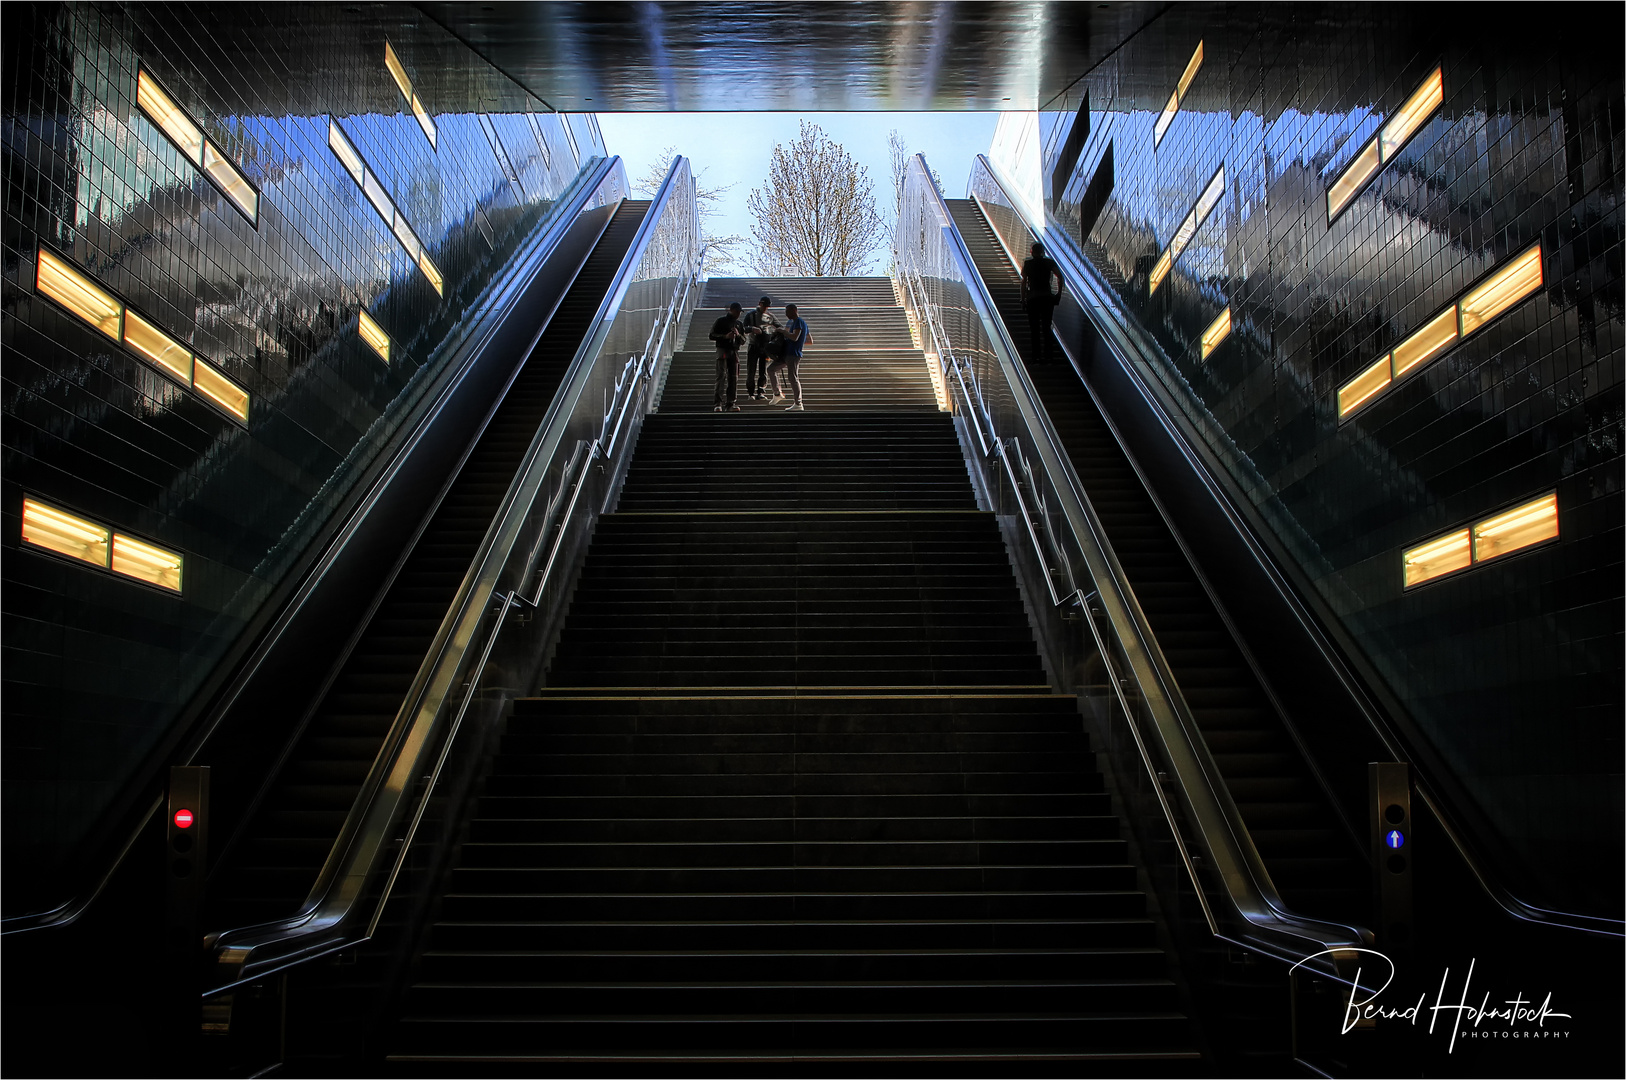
(1313, 860)
(273, 863)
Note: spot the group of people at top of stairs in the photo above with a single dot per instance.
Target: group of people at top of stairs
(1042, 286)
(772, 348)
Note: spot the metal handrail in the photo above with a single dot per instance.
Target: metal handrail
(317, 929)
(1119, 335)
(1270, 926)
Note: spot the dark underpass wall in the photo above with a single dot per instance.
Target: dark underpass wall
(98, 663)
(1510, 667)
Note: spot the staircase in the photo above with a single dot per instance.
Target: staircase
(861, 357)
(797, 792)
(1313, 859)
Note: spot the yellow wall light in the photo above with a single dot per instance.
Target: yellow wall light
(76, 292)
(1446, 555)
(64, 533)
(1217, 331)
(1502, 290)
(144, 562)
(1518, 528)
(374, 335)
(158, 347)
(170, 117)
(213, 384)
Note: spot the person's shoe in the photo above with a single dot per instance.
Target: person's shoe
(716, 408)
(777, 398)
(795, 408)
(732, 408)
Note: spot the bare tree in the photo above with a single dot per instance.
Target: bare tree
(718, 253)
(816, 215)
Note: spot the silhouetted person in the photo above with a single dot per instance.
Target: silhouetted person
(759, 326)
(1042, 286)
(796, 337)
(727, 334)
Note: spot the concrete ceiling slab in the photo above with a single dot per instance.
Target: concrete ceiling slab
(798, 56)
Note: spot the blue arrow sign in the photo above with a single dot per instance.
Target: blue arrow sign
(1395, 839)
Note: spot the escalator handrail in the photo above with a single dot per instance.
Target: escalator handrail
(1218, 825)
(574, 199)
(320, 924)
(1118, 332)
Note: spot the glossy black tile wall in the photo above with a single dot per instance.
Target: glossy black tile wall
(97, 667)
(1511, 669)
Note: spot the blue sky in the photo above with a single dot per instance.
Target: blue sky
(734, 148)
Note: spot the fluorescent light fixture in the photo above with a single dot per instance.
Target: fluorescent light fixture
(1355, 393)
(409, 240)
(154, 565)
(1386, 143)
(1445, 555)
(381, 201)
(1512, 530)
(1516, 529)
(223, 171)
(158, 347)
(1167, 118)
(346, 153)
(374, 335)
(1404, 124)
(169, 117)
(1190, 73)
(185, 133)
(64, 533)
(424, 121)
(76, 292)
(1188, 228)
(379, 198)
(1159, 272)
(1217, 331)
(1436, 336)
(432, 272)
(1363, 168)
(214, 385)
(393, 62)
(1502, 290)
(398, 73)
(1211, 194)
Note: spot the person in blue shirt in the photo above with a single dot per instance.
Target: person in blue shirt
(796, 338)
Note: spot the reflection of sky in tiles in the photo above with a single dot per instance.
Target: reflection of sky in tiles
(317, 231)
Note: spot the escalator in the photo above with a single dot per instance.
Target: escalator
(274, 859)
(1313, 858)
